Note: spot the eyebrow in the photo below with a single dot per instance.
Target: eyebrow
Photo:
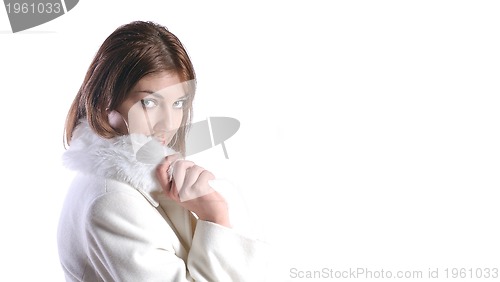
(159, 96)
(156, 94)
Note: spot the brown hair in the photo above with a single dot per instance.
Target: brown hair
(131, 52)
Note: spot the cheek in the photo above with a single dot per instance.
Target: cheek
(178, 117)
(166, 120)
(137, 121)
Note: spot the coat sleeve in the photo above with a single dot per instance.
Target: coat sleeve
(126, 243)
(230, 256)
(232, 253)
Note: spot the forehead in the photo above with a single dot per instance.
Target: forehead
(157, 82)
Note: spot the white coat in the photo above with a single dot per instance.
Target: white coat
(116, 225)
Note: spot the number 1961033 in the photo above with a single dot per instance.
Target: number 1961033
(471, 272)
(34, 8)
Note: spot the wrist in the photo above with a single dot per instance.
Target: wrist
(221, 219)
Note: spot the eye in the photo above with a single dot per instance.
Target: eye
(149, 103)
(179, 104)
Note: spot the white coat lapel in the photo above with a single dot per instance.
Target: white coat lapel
(182, 222)
(115, 159)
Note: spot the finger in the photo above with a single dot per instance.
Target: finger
(191, 176)
(174, 192)
(179, 172)
(199, 188)
(162, 175)
(171, 159)
(162, 171)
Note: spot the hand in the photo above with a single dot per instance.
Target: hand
(187, 184)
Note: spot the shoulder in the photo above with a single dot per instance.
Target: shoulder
(122, 209)
(100, 198)
(120, 198)
(94, 189)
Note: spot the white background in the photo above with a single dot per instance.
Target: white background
(369, 129)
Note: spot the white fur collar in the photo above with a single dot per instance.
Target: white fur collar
(115, 158)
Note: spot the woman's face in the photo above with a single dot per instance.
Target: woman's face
(155, 106)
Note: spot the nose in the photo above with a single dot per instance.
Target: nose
(166, 121)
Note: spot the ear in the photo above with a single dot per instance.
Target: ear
(117, 122)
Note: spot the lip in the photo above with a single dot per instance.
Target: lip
(161, 139)
(163, 136)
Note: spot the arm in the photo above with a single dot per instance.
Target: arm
(129, 241)
(219, 253)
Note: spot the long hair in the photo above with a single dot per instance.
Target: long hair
(131, 52)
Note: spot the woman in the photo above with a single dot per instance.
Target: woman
(129, 215)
